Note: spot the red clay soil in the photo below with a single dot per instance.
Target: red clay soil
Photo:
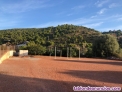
(46, 74)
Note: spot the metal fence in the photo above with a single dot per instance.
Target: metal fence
(4, 48)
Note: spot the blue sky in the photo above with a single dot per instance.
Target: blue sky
(102, 15)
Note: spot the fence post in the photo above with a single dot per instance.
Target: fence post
(55, 52)
(67, 52)
(79, 53)
(60, 53)
(70, 51)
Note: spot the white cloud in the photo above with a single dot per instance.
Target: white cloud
(89, 22)
(78, 7)
(93, 16)
(8, 23)
(92, 25)
(23, 6)
(111, 28)
(101, 3)
(116, 16)
(69, 14)
(113, 5)
(53, 23)
(80, 21)
(60, 13)
(119, 19)
(102, 11)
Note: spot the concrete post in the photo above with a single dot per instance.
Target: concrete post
(55, 52)
(67, 52)
(79, 53)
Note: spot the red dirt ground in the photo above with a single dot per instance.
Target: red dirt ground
(46, 74)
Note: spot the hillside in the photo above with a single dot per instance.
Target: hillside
(59, 35)
(43, 40)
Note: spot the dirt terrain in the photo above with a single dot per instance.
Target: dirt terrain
(46, 74)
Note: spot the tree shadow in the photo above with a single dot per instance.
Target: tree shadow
(103, 76)
(119, 63)
(25, 84)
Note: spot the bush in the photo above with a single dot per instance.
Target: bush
(105, 46)
(118, 54)
(36, 50)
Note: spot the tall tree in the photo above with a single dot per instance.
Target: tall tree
(105, 45)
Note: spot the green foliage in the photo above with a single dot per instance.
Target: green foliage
(22, 47)
(35, 49)
(89, 52)
(105, 46)
(73, 52)
(48, 36)
(43, 40)
(0, 42)
(117, 34)
(118, 53)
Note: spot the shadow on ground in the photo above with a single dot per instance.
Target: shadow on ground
(102, 76)
(24, 84)
(119, 63)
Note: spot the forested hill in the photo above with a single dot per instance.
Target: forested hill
(117, 34)
(59, 35)
(40, 41)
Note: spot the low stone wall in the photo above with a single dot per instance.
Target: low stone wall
(6, 55)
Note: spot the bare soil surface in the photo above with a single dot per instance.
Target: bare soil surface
(46, 74)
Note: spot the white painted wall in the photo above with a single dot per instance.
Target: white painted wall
(11, 53)
(23, 52)
(6, 56)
